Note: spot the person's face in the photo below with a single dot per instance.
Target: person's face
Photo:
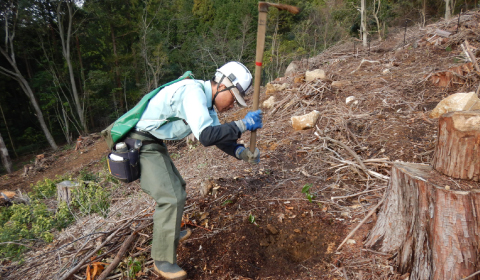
(225, 99)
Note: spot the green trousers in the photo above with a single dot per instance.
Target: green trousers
(161, 180)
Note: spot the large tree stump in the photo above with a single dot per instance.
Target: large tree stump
(457, 153)
(431, 222)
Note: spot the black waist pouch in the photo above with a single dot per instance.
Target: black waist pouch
(125, 165)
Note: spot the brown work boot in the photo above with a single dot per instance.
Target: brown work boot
(170, 271)
(185, 234)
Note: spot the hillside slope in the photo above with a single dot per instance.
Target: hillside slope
(256, 223)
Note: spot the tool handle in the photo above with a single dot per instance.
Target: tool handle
(263, 7)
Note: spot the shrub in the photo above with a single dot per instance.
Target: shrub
(91, 199)
(22, 223)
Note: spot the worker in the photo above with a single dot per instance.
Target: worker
(176, 111)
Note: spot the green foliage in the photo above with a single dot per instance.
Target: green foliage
(251, 219)
(306, 191)
(90, 199)
(228, 201)
(134, 266)
(86, 175)
(45, 189)
(64, 215)
(25, 222)
(22, 223)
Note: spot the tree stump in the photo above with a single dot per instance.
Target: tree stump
(64, 191)
(457, 153)
(430, 222)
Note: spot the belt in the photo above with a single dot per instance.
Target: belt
(150, 136)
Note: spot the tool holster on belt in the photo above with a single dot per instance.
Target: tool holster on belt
(125, 165)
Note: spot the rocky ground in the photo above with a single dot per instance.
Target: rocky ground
(254, 222)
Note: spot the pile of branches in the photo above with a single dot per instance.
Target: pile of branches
(83, 258)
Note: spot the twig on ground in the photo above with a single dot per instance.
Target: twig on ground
(471, 275)
(362, 222)
(357, 194)
(17, 243)
(121, 252)
(357, 158)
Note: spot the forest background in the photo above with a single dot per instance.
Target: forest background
(68, 68)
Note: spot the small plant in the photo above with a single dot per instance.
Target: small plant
(64, 215)
(86, 175)
(175, 156)
(134, 267)
(448, 49)
(251, 219)
(228, 201)
(306, 191)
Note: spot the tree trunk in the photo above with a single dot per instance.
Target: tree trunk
(7, 163)
(65, 39)
(376, 10)
(457, 153)
(117, 69)
(363, 14)
(433, 229)
(8, 131)
(448, 12)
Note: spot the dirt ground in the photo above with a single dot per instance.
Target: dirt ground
(255, 222)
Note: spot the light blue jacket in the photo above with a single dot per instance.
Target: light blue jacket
(188, 100)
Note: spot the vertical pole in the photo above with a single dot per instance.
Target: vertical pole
(262, 24)
(368, 46)
(459, 15)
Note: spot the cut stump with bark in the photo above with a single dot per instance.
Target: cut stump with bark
(457, 153)
(64, 191)
(431, 227)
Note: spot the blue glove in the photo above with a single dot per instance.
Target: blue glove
(253, 120)
(244, 154)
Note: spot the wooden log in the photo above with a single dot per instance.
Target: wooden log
(431, 227)
(443, 33)
(64, 191)
(457, 153)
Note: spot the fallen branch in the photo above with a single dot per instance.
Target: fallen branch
(357, 158)
(363, 221)
(357, 194)
(280, 104)
(121, 252)
(87, 257)
(17, 243)
(471, 275)
(362, 62)
(472, 56)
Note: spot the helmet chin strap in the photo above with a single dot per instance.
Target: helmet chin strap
(216, 94)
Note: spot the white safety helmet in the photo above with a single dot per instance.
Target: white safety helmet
(237, 78)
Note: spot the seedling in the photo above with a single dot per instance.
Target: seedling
(306, 191)
(251, 219)
(228, 201)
